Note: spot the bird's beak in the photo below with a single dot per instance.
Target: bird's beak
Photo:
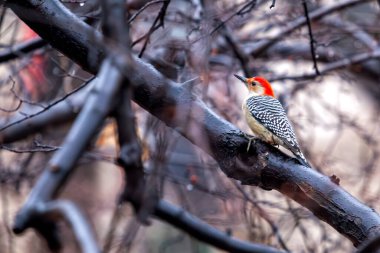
(243, 79)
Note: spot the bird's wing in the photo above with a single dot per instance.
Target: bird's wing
(270, 113)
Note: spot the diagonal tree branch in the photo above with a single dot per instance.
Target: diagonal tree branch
(263, 166)
(99, 103)
(204, 232)
(21, 48)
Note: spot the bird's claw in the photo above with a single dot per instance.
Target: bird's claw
(250, 139)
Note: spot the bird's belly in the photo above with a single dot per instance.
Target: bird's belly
(261, 131)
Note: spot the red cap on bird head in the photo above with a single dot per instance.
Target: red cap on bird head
(257, 84)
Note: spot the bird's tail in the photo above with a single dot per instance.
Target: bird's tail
(301, 158)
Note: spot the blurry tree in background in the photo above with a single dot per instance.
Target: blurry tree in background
(121, 128)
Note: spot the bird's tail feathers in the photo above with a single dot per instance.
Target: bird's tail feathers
(301, 158)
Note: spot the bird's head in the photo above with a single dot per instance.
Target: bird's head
(257, 85)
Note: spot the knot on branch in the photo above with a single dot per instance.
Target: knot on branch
(143, 197)
(130, 156)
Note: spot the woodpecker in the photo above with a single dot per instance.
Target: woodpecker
(267, 118)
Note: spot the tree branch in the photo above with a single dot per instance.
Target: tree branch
(21, 48)
(71, 102)
(99, 103)
(204, 232)
(311, 37)
(71, 214)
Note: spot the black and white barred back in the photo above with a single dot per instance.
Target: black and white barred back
(269, 112)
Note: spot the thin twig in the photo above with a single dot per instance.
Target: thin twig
(311, 38)
(159, 18)
(29, 150)
(21, 49)
(48, 106)
(243, 10)
(134, 16)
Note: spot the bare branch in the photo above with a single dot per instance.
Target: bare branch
(150, 3)
(203, 232)
(3, 134)
(99, 103)
(246, 8)
(157, 23)
(67, 211)
(114, 22)
(58, 15)
(21, 49)
(311, 38)
(130, 158)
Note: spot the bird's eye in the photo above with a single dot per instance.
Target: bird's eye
(253, 83)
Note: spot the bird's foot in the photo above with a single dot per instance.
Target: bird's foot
(250, 139)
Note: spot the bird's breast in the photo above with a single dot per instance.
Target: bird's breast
(258, 129)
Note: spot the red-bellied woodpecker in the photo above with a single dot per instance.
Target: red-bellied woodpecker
(267, 118)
